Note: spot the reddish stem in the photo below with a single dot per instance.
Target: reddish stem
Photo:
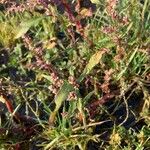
(9, 105)
(101, 101)
(78, 24)
(17, 146)
(16, 115)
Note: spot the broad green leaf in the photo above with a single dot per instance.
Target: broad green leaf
(72, 107)
(59, 99)
(94, 60)
(62, 95)
(26, 25)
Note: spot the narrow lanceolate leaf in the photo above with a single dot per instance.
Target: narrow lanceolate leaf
(25, 26)
(62, 95)
(144, 8)
(87, 97)
(94, 60)
(127, 65)
(81, 111)
(59, 99)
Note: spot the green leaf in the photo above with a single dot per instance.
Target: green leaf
(128, 29)
(94, 60)
(130, 60)
(80, 108)
(59, 99)
(62, 95)
(48, 77)
(26, 25)
(87, 97)
(144, 8)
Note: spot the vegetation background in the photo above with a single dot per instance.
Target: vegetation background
(75, 74)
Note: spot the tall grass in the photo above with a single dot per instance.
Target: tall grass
(74, 74)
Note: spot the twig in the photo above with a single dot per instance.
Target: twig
(89, 125)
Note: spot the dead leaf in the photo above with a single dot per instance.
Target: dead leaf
(86, 12)
(2, 99)
(51, 43)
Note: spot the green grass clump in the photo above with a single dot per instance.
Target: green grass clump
(75, 75)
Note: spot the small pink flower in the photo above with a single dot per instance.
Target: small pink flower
(72, 96)
(108, 30)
